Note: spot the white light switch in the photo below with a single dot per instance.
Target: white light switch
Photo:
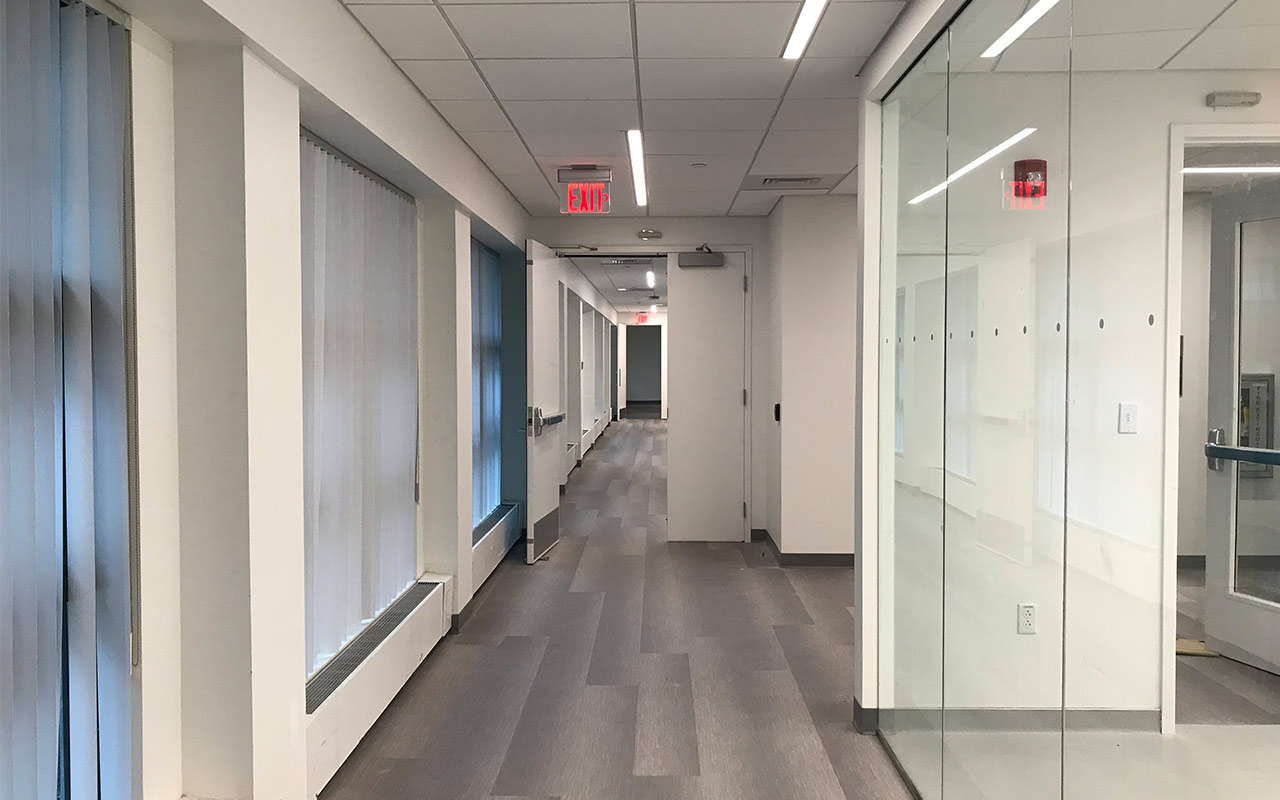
(1128, 418)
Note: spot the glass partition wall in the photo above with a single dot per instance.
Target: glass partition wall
(1029, 496)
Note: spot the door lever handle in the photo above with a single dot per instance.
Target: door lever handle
(1217, 437)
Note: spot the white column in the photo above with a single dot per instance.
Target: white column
(239, 372)
(444, 346)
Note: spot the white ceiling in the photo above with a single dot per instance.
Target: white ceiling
(1125, 35)
(536, 85)
(623, 284)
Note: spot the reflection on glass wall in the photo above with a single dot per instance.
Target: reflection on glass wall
(1028, 362)
(913, 295)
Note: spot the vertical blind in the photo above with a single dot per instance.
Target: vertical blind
(486, 381)
(360, 397)
(65, 655)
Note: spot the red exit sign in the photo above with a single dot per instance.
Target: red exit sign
(586, 198)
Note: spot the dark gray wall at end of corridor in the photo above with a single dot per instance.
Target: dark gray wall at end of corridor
(644, 363)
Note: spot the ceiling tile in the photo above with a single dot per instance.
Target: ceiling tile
(678, 173)
(714, 30)
(801, 114)
(668, 203)
(1248, 13)
(575, 143)
(544, 30)
(562, 79)
(708, 115)
(502, 151)
(473, 115)
(1111, 52)
(754, 204)
(573, 115)
(796, 143)
(686, 78)
(852, 30)
(1232, 48)
(711, 143)
(531, 188)
(847, 186)
(446, 80)
(815, 164)
(1089, 17)
(826, 77)
(409, 31)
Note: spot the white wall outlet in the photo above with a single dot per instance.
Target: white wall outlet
(1026, 619)
(1128, 418)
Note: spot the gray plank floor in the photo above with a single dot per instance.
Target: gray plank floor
(1218, 691)
(627, 667)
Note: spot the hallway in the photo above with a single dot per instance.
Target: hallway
(626, 667)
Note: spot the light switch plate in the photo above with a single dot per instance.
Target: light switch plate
(1128, 418)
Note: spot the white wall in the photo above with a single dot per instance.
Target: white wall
(239, 339)
(1193, 409)
(160, 673)
(817, 269)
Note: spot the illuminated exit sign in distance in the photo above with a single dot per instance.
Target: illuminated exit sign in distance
(585, 198)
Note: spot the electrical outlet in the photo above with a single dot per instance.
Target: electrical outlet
(1026, 619)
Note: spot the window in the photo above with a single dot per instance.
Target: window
(360, 396)
(486, 382)
(65, 523)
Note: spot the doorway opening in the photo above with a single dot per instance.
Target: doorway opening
(1228, 566)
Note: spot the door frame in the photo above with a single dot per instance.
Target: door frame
(1180, 136)
(751, 445)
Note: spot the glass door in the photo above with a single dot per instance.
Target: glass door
(1242, 588)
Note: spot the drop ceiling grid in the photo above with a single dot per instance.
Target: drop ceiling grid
(533, 86)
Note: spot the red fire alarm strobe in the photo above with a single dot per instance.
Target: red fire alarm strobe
(1030, 184)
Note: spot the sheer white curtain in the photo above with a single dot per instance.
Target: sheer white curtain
(64, 494)
(360, 372)
(486, 382)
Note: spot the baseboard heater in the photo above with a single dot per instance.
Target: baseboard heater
(491, 540)
(332, 675)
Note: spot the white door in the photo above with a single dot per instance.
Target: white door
(544, 418)
(1242, 587)
(707, 377)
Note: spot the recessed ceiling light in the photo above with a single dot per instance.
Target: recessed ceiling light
(649, 279)
(635, 143)
(804, 27)
(974, 164)
(1020, 27)
(653, 309)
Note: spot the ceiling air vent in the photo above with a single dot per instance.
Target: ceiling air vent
(791, 181)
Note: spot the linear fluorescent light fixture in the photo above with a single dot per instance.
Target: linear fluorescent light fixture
(1259, 169)
(1020, 27)
(650, 279)
(972, 165)
(806, 23)
(635, 143)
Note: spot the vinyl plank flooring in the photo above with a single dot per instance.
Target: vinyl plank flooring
(627, 667)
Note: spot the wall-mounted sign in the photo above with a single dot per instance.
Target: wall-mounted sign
(1030, 185)
(642, 319)
(585, 198)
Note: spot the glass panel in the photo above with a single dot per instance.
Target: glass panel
(913, 295)
(1257, 545)
(1005, 405)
